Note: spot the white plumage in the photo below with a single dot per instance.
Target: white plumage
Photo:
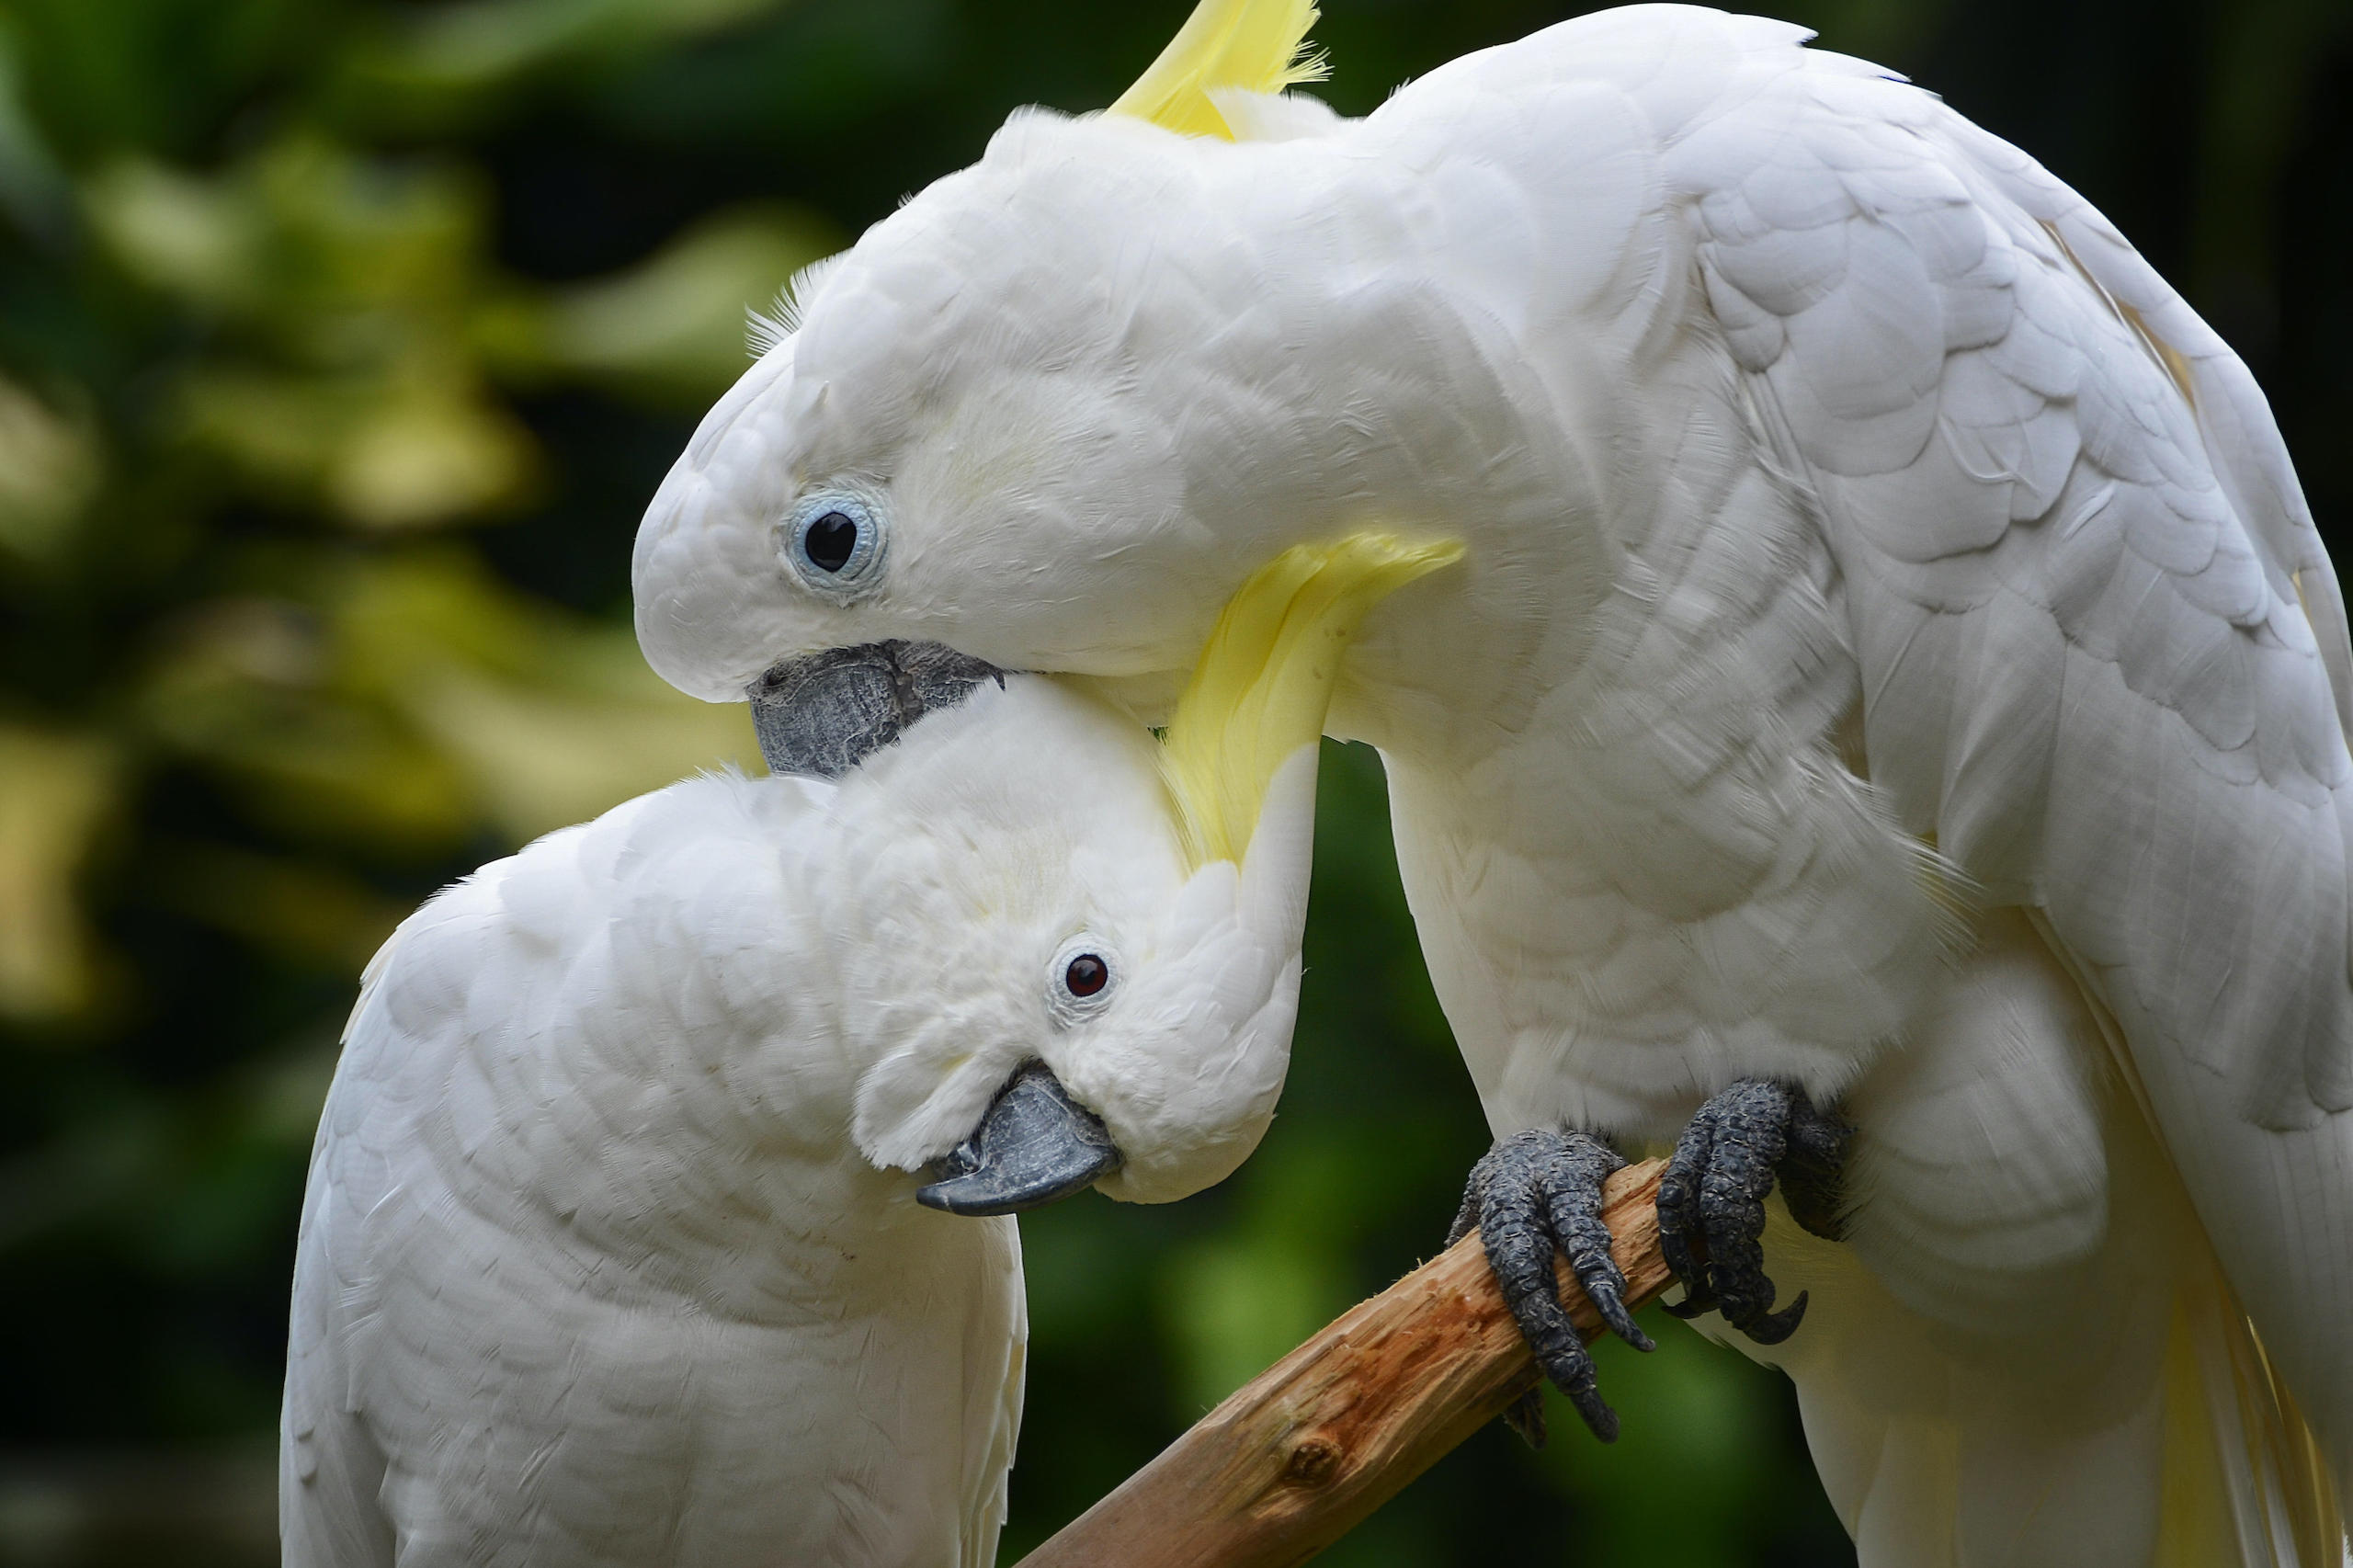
(610, 1253)
(1891, 654)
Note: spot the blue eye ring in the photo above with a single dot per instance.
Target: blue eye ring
(835, 542)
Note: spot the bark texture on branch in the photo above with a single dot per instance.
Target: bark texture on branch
(1303, 1451)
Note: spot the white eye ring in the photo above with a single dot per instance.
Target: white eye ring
(1081, 962)
(833, 541)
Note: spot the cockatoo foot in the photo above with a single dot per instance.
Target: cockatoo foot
(1531, 1194)
(1711, 1199)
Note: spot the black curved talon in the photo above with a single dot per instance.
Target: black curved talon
(1713, 1194)
(1531, 1194)
(1525, 1415)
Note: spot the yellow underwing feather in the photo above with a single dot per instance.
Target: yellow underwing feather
(1265, 679)
(1259, 45)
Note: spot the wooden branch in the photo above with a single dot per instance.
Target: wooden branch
(1305, 1450)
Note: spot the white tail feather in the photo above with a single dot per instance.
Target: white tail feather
(2143, 1430)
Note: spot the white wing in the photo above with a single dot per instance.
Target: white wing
(996, 1339)
(590, 1270)
(330, 1470)
(2072, 548)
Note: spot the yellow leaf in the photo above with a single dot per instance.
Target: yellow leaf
(49, 471)
(673, 326)
(55, 791)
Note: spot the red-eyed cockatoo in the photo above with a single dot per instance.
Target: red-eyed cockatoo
(611, 1254)
(1892, 683)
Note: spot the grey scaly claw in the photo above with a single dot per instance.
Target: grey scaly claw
(1713, 1194)
(1531, 1194)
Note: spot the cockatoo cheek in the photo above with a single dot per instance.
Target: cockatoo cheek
(1030, 508)
(1182, 1118)
(924, 1098)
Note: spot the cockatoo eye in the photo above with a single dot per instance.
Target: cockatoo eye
(830, 541)
(1086, 974)
(833, 542)
(1081, 982)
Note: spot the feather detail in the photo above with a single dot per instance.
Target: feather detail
(1259, 45)
(764, 331)
(1265, 679)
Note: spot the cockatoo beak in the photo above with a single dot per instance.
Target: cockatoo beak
(822, 714)
(1034, 1144)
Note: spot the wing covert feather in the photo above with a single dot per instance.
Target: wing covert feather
(2103, 652)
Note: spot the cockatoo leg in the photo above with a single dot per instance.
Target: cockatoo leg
(1531, 1194)
(1711, 1199)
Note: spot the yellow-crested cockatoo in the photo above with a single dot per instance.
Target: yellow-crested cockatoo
(611, 1254)
(1892, 683)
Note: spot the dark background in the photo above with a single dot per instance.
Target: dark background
(341, 343)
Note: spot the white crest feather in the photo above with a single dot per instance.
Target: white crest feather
(765, 330)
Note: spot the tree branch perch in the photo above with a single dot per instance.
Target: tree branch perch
(1305, 1450)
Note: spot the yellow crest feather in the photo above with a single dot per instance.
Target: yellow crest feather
(1265, 678)
(1259, 45)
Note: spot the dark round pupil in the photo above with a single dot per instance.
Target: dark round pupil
(830, 541)
(1086, 975)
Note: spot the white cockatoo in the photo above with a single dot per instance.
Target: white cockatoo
(1892, 671)
(611, 1254)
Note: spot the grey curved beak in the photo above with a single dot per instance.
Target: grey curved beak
(821, 715)
(1034, 1144)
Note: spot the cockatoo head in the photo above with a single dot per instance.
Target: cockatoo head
(1068, 950)
(1033, 964)
(1055, 409)
(949, 427)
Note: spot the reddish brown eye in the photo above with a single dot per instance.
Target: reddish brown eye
(1086, 975)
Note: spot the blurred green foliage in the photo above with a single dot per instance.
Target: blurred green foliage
(341, 344)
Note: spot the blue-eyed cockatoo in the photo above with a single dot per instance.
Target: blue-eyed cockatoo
(1888, 726)
(611, 1253)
